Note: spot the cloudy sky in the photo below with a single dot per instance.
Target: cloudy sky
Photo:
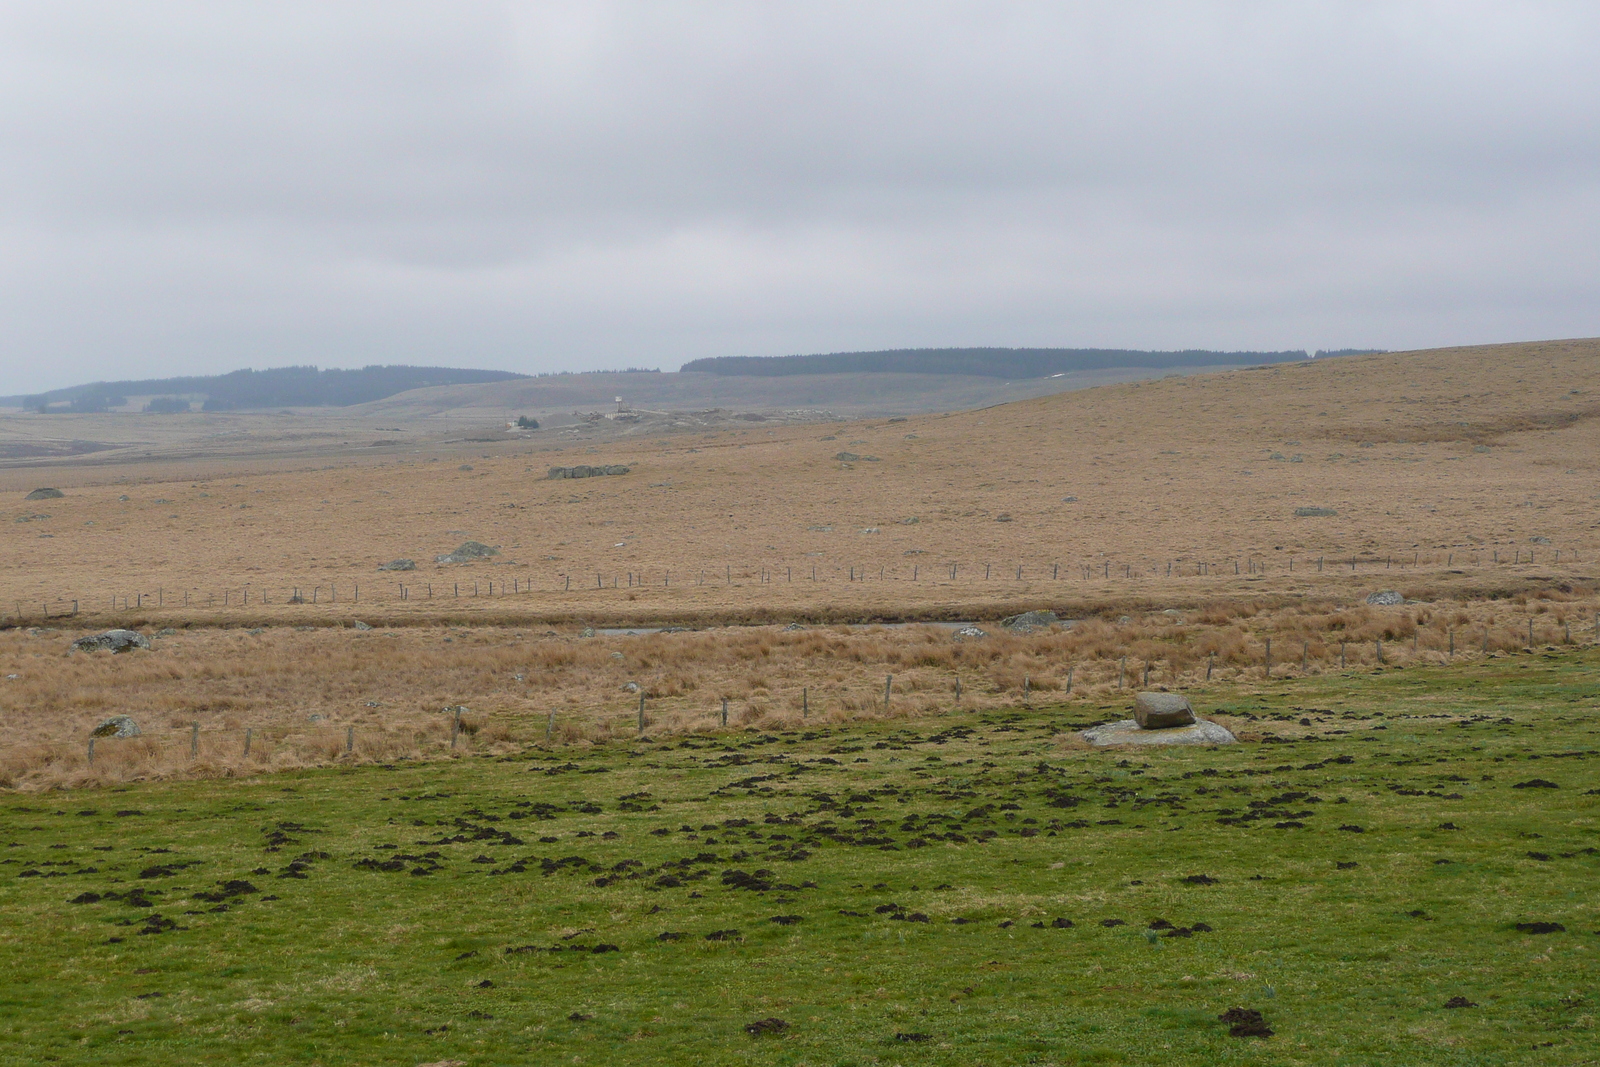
(188, 188)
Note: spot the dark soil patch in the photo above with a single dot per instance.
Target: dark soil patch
(760, 1027)
(1245, 1022)
(1541, 928)
(1459, 1002)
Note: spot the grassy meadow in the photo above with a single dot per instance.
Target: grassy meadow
(965, 887)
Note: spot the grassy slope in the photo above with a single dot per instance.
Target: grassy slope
(1349, 966)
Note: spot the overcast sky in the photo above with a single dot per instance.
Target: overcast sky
(191, 188)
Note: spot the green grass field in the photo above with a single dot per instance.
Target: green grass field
(963, 889)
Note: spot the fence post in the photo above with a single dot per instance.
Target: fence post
(194, 740)
(1378, 644)
(1069, 682)
(1530, 633)
(349, 740)
(1341, 654)
(805, 702)
(888, 682)
(91, 752)
(958, 689)
(248, 735)
(1452, 642)
(724, 711)
(1025, 688)
(1146, 683)
(455, 727)
(1269, 658)
(1211, 661)
(1305, 655)
(550, 727)
(1122, 671)
(641, 711)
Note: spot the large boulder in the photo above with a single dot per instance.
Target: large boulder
(1030, 622)
(1129, 732)
(1162, 711)
(116, 726)
(469, 551)
(111, 641)
(1386, 598)
(44, 494)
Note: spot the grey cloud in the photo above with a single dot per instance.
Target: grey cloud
(202, 186)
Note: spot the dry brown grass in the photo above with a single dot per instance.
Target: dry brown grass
(1436, 463)
(1180, 470)
(300, 692)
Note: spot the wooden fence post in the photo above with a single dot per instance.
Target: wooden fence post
(1341, 654)
(724, 711)
(958, 689)
(91, 752)
(641, 711)
(805, 702)
(194, 740)
(888, 683)
(1269, 658)
(248, 736)
(1069, 682)
(455, 727)
(549, 727)
(1211, 661)
(1122, 671)
(349, 740)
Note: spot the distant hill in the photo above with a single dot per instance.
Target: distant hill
(1012, 363)
(275, 388)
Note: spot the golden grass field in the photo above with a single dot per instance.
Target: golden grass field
(1464, 478)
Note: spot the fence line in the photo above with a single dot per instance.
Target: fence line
(335, 592)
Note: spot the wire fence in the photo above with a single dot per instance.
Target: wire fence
(16, 610)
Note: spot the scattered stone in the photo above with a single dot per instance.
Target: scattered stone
(969, 633)
(116, 726)
(1030, 622)
(359, 625)
(1129, 732)
(44, 494)
(1004, 516)
(583, 471)
(111, 641)
(399, 565)
(846, 457)
(1161, 711)
(793, 627)
(1386, 598)
(1314, 513)
(165, 631)
(469, 551)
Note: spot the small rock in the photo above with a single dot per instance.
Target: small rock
(359, 625)
(1314, 513)
(116, 726)
(846, 457)
(969, 633)
(1069, 500)
(1386, 598)
(1030, 621)
(1004, 516)
(1541, 540)
(399, 565)
(467, 552)
(1161, 711)
(464, 467)
(111, 640)
(165, 631)
(630, 687)
(792, 628)
(584, 471)
(44, 494)
(587, 631)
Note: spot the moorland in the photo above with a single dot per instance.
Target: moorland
(1219, 534)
